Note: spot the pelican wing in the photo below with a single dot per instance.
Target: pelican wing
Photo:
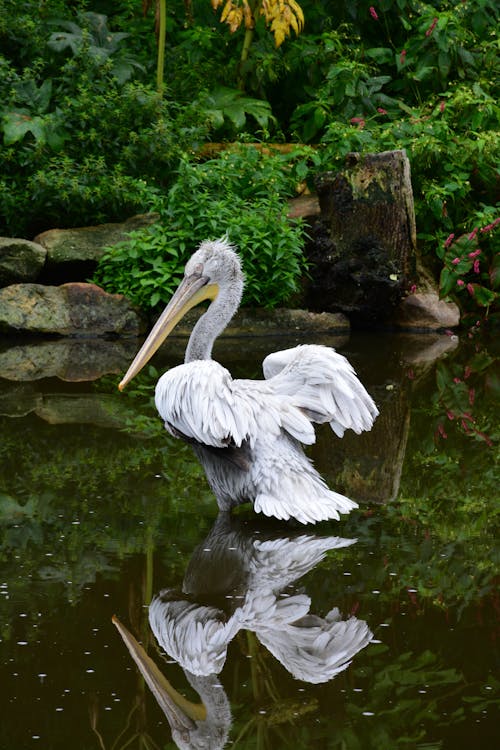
(314, 649)
(284, 560)
(195, 636)
(323, 385)
(201, 401)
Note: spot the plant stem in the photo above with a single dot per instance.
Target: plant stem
(162, 32)
(247, 42)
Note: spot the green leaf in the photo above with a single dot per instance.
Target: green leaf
(380, 54)
(484, 297)
(447, 282)
(17, 124)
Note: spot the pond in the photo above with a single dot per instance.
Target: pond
(378, 631)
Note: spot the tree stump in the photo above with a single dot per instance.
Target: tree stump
(363, 247)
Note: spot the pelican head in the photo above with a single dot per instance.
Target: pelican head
(217, 261)
(212, 273)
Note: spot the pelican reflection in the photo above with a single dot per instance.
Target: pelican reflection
(241, 578)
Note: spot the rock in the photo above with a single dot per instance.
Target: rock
(283, 320)
(101, 409)
(18, 400)
(74, 309)
(422, 349)
(304, 206)
(72, 254)
(73, 360)
(280, 321)
(20, 260)
(424, 311)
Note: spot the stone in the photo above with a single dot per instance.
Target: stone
(101, 409)
(74, 309)
(303, 207)
(73, 254)
(20, 260)
(425, 311)
(424, 348)
(279, 321)
(18, 399)
(71, 360)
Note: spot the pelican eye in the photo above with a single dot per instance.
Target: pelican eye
(197, 270)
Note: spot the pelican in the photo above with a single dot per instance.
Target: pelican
(249, 570)
(259, 426)
(236, 581)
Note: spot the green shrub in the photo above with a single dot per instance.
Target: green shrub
(240, 194)
(83, 139)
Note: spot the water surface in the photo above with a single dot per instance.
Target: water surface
(378, 631)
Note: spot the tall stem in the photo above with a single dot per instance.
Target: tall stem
(162, 33)
(247, 43)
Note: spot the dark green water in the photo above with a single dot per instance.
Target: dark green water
(96, 520)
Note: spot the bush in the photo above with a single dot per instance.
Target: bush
(240, 193)
(84, 140)
(422, 77)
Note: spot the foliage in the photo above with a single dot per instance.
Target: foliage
(86, 136)
(424, 79)
(462, 276)
(453, 447)
(239, 193)
(94, 39)
(83, 139)
(223, 106)
(280, 15)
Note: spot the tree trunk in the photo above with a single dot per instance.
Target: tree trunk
(363, 248)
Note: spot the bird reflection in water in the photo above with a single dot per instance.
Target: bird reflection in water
(241, 578)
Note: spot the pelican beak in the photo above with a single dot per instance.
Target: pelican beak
(192, 290)
(180, 712)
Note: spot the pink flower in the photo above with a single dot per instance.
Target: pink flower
(449, 240)
(473, 234)
(402, 57)
(413, 289)
(475, 253)
(491, 226)
(431, 27)
(470, 289)
(455, 261)
(456, 381)
(450, 415)
(359, 121)
(467, 372)
(477, 263)
(381, 110)
(460, 282)
(442, 431)
(373, 12)
(442, 105)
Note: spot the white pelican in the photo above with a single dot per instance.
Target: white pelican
(249, 570)
(246, 571)
(258, 424)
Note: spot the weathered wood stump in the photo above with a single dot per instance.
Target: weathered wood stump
(363, 248)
